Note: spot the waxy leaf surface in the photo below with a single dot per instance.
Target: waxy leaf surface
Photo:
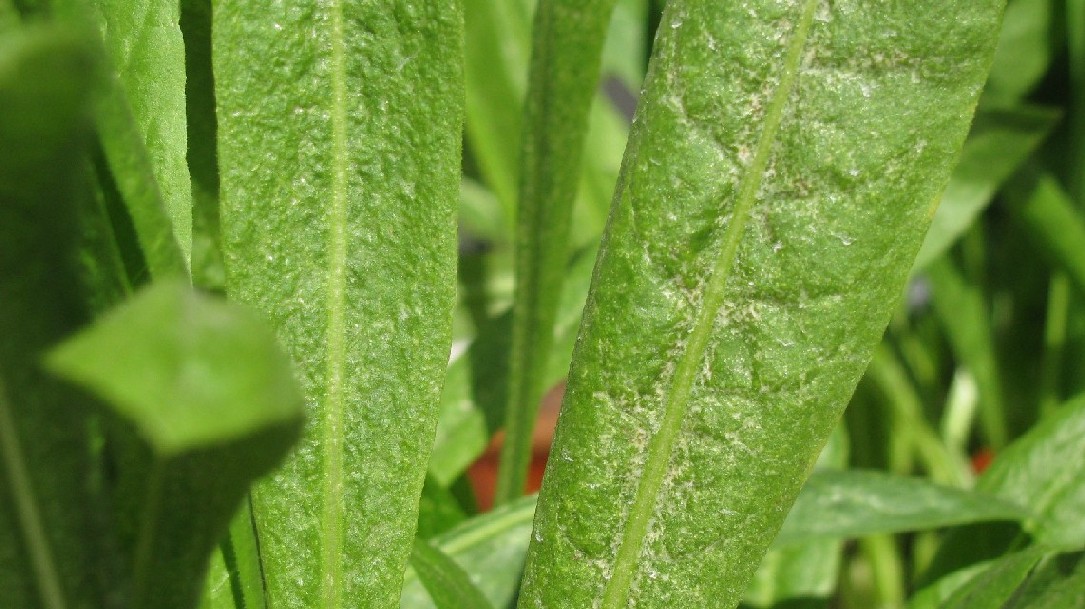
(339, 128)
(774, 194)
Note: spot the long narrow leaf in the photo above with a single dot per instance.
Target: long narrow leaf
(752, 260)
(567, 46)
(339, 136)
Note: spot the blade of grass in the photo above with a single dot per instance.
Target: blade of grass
(751, 263)
(566, 51)
(47, 74)
(338, 195)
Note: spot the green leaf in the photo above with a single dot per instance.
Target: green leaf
(855, 503)
(566, 51)
(1001, 140)
(206, 402)
(217, 593)
(130, 165)
(496, 51)
(752, 260)
(1024, 49)
(490, 548)
(144, 41)
(339, 189)
(48, 508)
(1056, 224)
(447, 584)
(1045, 471)
(992, 587)
(207, 266)
(1057, 583)
(962, 308)
(438, 509)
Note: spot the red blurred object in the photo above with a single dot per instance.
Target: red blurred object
(981, 460)
(483, 472)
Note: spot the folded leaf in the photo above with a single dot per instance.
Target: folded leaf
(1057, 583)
(205, 402)
(774, 194)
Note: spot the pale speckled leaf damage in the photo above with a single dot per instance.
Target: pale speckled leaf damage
(340, 129)
(775, 191)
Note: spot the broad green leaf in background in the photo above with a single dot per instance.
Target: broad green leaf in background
(206, 403)
(445, 581)
(774, 194)
(46, 79)
(1000, 141)
(339, 136)
(1045, 471)
(489, 547)
(144, 41)
(853, 503)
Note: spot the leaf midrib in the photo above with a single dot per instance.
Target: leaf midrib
(332, 525)
(616, 593)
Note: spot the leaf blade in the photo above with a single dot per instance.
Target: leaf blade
(342, 234)
(684, 192)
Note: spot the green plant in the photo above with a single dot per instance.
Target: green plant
(229, 257)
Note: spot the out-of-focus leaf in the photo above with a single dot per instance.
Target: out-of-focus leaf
(854, 503)
(1057, 583)
(490, 548)
(962, 309)
(339, 190)
(217, 592)
(444, 580)
(992, 587)
(1045, 471)
(743, 283)
(206, 402)
(1055, 222)
(438, 510)
(999, 142)
(807, 570)
(48, 508)
(1024, 49)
